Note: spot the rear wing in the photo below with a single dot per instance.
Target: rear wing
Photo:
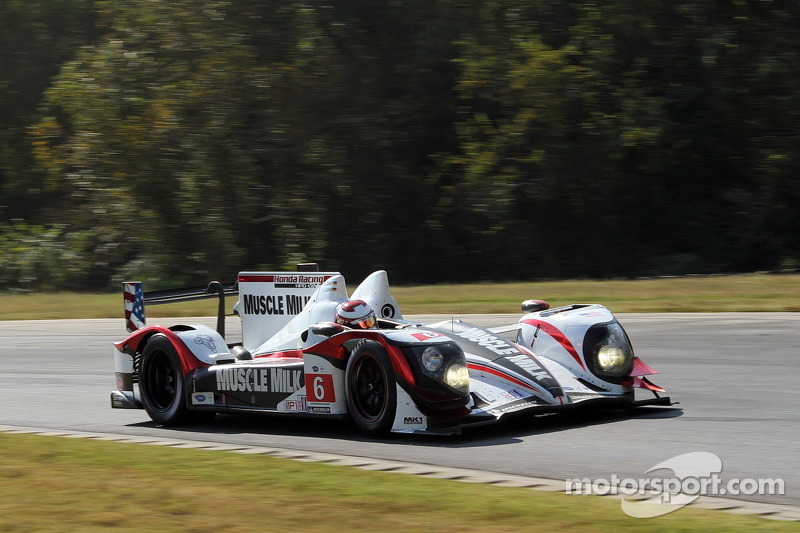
(268, 300)
(135, 299)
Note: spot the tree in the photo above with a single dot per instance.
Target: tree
(255, 128)
(578, 149)
(36, 37)
(445, 139)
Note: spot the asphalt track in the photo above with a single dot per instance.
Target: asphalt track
(734, 374)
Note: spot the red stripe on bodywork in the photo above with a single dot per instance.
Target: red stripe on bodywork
(333, 348)
(559, 337)
(503, 375)
(188, 360)
(401, 365)
(257, 278)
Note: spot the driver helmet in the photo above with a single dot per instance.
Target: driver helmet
(355, 314)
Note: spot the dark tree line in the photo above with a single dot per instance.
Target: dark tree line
(442, 140)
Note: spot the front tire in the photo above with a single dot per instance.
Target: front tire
(371, 392)
(161, 382)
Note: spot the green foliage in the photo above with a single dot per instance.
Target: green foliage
(443, 140)
(36, 37)
(54, 258)
(637, 135)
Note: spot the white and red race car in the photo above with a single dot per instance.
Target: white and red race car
(402, 376)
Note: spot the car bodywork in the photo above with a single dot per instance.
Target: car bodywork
(403, 376)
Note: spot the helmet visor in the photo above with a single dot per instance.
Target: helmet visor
(366, 323)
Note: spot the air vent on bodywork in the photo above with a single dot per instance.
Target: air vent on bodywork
(137, 361)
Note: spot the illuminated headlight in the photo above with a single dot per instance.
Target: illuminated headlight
(457, 376)
(612, 352)
(610, 357)
(432, 359)
(441, 368)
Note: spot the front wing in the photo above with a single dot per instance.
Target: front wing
(488, 414)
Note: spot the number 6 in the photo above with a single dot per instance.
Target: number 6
(319, 390)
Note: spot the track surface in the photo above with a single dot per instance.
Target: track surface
(734, 374)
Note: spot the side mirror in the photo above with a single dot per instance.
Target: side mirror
(531, 306)
(326, 329)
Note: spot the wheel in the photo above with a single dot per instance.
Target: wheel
(161, 382)
(371, 393)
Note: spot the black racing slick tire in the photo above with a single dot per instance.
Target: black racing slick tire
(371, 389)
(161, 382)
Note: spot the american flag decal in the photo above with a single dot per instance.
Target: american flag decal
(134, 305)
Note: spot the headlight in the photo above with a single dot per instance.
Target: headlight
(611, 352)
(609, 357)
(432, 359)
(441, 368)
(457, 376)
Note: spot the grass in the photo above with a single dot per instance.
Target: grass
(753, 292)
(735, 293)
(60, 484)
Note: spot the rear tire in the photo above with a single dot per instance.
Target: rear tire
(371, 392)
(161, 382)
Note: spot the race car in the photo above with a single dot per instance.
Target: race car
(296, 357)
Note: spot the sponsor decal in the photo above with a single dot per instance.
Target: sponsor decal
(413, 420)
(203, 398)
(487, 340)
(387, 311)
(530, 366)
(516, 406)
(513, 394)
(207, 341)
(425, 335)
(298, 405)
(319, 410)
(299, 281)
(331, 287)
(320, 388)
(259, 380)
(312, 280)
(282, 304)
(584, 396)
